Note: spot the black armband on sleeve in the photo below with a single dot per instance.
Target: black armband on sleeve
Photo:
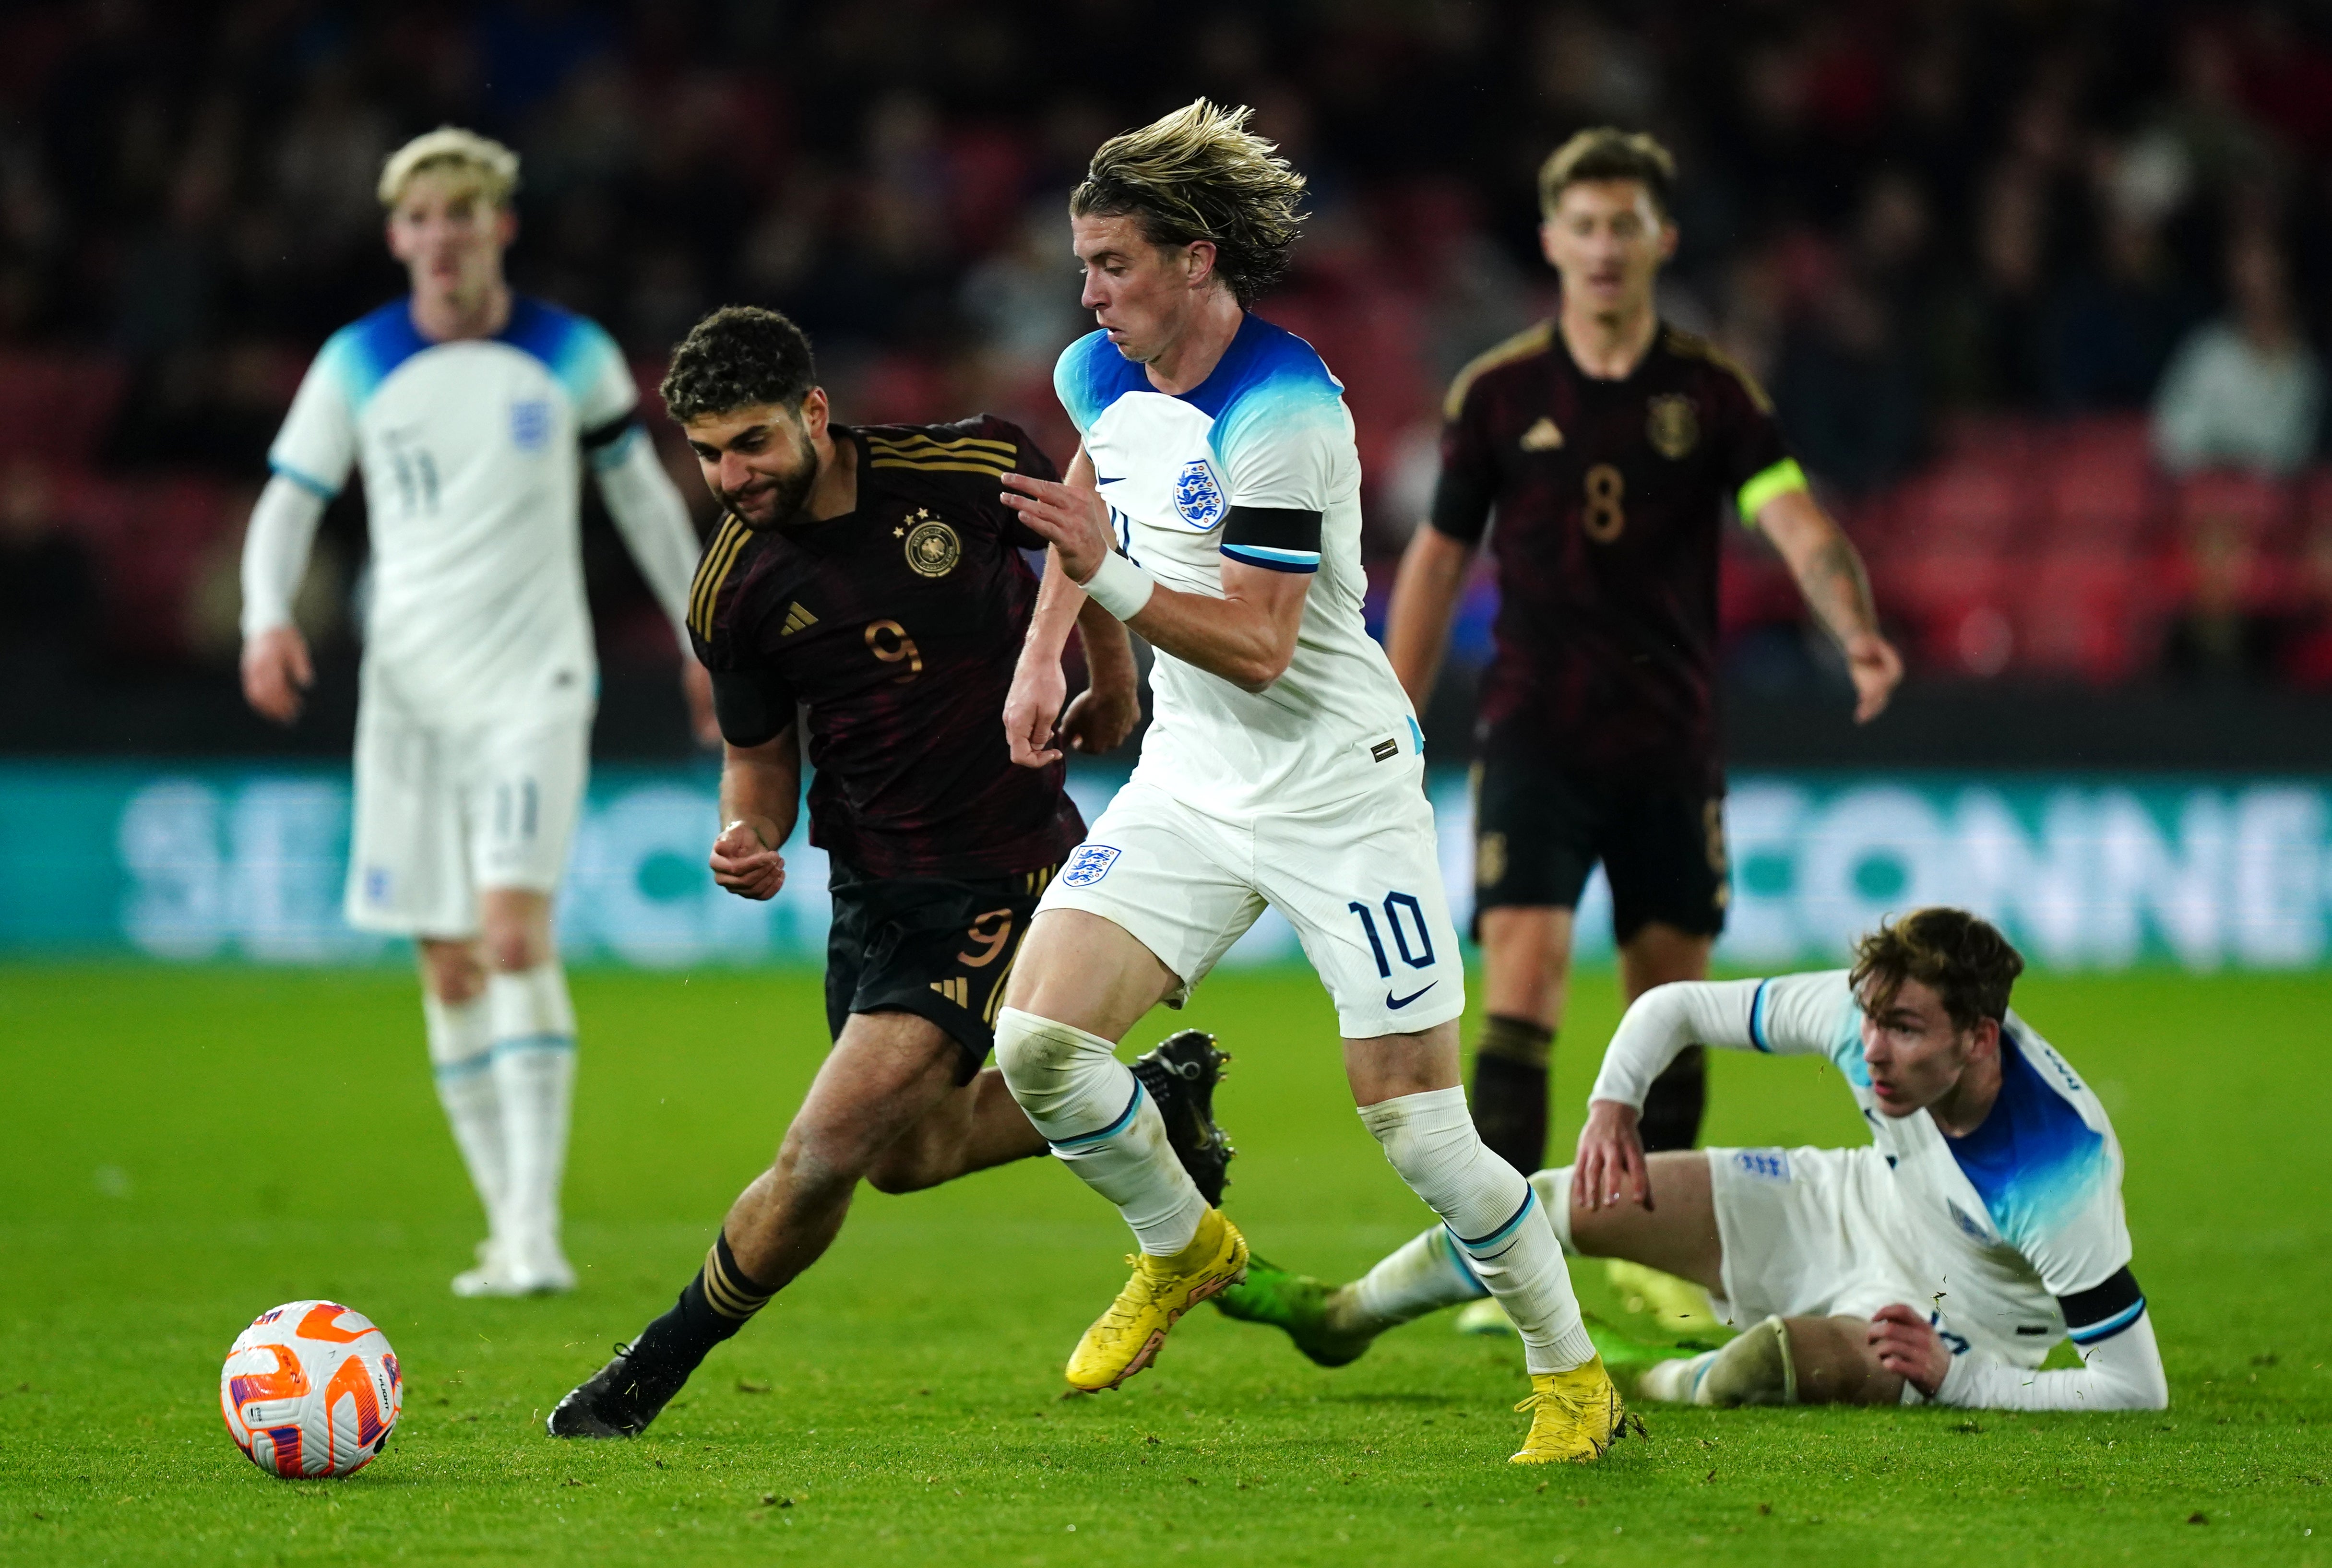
(2103, 1311)
(608, 434)
(754, 707)
(1274, 538)
(1461, 506)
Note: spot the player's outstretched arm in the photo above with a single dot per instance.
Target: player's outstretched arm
(1791, 1015)
(761, 792)
(276, 668)
(1830, 574)
(1424, 599)
(1247, 637)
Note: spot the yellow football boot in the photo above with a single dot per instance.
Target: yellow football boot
(1680, 1306)
(1126, 1338)
(1575, 1415)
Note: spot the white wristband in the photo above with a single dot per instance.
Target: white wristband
(1120, 587)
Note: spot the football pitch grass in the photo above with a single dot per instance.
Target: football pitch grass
(185, 1148)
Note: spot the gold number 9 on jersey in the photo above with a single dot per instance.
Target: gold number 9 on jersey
(1606, 519)
(900, 646)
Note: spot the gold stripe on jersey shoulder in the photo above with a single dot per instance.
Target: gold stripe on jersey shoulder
(1521, 345)
(919, 442)
(1687, 344)
(965, 455)
(993, 470)
(704, 593)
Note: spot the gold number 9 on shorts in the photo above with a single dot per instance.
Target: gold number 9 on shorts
(1606, 519)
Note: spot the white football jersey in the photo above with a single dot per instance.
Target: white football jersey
(471, 477)
(1266, 429)
(2027, 1206)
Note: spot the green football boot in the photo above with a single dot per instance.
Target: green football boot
(1300, 1304)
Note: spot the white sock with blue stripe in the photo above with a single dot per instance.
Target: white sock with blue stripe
(1093, 1110)
(1426, 1274)
(534, 1074)
(1493, 1215)
(461, 1057)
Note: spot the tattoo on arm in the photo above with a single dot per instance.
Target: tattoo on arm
(1836, 585)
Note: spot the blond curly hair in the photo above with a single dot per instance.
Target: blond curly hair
(1200, 174)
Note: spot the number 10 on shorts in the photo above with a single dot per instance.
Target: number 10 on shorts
(1404, 920)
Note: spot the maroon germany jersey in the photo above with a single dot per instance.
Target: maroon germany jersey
(1610, 498)
(896, 627)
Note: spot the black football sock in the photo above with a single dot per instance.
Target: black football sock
(1509, 1098)
(715, 1305)
(1673, 1106)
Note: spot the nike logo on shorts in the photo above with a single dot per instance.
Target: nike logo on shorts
(1397, 1003)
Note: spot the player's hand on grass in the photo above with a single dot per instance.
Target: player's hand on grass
(697, 687)
(1611, 1163)
(277, 673)
(1876, 669)
(1074, 520)
(1038, 687)
(1908, 1345)
(745, 864)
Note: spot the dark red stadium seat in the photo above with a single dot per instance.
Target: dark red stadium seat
(2087, 615)
(2102, 490)
(1979, 502)
(57, 407)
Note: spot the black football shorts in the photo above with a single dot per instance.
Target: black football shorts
(938, 947)
(1539, 830)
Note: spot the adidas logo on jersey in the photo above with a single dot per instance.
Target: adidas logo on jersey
(1541, 437)
(956, 990)
(797, 619)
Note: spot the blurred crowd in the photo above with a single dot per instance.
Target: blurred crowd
(1963, 243)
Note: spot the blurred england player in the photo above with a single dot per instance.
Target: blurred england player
(471, 411)
(1214, 506)
(1942, 1262)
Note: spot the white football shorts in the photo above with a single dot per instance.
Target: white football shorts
(1820, 1232)
(1360, 881)
(443, 813)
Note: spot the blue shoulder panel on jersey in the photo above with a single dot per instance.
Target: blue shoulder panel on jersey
(367, 349)
(1091, 375)
(574, 348)
(2033, 1161)
(1270, 384)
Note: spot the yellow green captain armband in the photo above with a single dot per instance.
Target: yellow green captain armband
(1779, 480)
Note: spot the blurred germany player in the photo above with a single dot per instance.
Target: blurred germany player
(472, 412)
(870, 578)
(1607, 444)
(1215, 507)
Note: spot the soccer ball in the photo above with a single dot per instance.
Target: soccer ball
(311, 1389)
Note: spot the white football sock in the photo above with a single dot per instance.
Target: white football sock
(1428, 1273)
(1554, 1190)
(461, 1057)
(1102, 1125)
(1494, 1215)
(534, 1073)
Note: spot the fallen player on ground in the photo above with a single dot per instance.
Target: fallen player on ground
(1941, 1263)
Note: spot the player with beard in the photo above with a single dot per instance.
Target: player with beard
(866, 585)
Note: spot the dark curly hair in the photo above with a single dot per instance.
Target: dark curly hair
(1200, 174)
(738, 356)
(1964, 961)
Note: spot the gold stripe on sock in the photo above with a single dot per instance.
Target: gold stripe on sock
(725, 1295)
